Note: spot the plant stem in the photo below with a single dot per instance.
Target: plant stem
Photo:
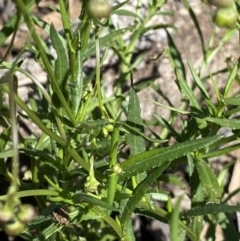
(98, 81)
(113, 178)
(29, 21)
(35, 192)
(15, 158)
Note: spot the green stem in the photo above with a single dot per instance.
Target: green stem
(43, 91)
(15, 158)
(111, 222)
(35, 118)
(56, 187)
(128, 50)
(30, 193)
(98, 81)
(83, 110)
(67, 27)
(29, 21)
(35, 181)
(51, 134)
(113, 178)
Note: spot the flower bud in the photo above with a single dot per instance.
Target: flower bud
(109, 127)
(99, 9)
(104, 132)
(117, 169)
(14, 228)
(26, 213)
(225, 17)
(5, 214)
(91, 184)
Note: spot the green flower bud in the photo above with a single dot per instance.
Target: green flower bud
(99, 9)
(14, 228)
(91, 184)
(117, 169)
(225, 17)
(104, 132)
(109, 127)
(26, 213)
(6, 214)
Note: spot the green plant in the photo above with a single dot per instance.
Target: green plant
(79, 164)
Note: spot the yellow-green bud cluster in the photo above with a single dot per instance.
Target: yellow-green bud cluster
(91, 184)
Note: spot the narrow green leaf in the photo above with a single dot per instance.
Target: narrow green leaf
(211, 188)
(134, 130)
(232, 101)
(197, 226)
(151, 214)
(48, 232)
(161, 26)
(135, 142)
(222, 151)
(198, 81)
(154, 158)
(44, 157)
(42, 24)
(134, 119)
(119, 5)
(92, 125)
(197, 195)
(190, 164)
(196, 24)
(40, 220)
(183, 112)
(4, 138)
(106, 40)
(175, 232)
(231, 123)
(210, 208)
(228, 227)
(164, 123)
(66, 25)
(61, 63)
(138, 193)
(223, 175)
(124, 12)
(83, 198)
(85, 29)
(77, 85)
(212, 51)
(186, 90)
(231, 79)
(90, 216)
(231, 111)
(175, 58)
